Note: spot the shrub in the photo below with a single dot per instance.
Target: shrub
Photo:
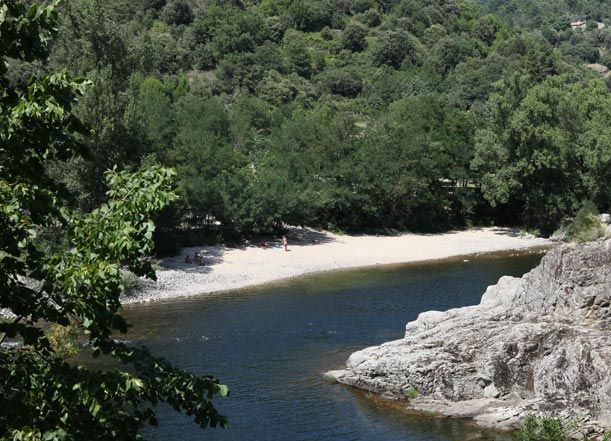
(130, 281)
(542, 429)
(537, 428)
(411, 393)
(587, 225)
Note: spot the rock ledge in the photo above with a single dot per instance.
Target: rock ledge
(536, 344)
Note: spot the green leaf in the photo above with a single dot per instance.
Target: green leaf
(222, 390)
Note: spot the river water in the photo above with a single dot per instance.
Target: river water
(270, 345)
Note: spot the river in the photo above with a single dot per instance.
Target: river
(270, 345)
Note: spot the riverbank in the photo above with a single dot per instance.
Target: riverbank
(534, 345)
(312, 251)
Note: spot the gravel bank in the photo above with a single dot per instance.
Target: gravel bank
(315, 251)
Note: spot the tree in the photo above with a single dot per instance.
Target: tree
(486, 28)
(154, 61)
(155, 5)
(177, 12)
(154, 103)
(419, 143)
(115, 138)
(312, 152)
(311, 15)
(605, 59)
(41, 395)
(353, 38)
(92, 37)
(393, 47)
(449, 51)
(297, 55)
(372, 18)
(91, 43)
(345, 82)
(546, 149)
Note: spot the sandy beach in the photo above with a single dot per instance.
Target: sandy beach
(315, 251)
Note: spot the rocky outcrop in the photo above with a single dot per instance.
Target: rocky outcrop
(536, 344)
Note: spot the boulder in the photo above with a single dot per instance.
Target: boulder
(537, 344)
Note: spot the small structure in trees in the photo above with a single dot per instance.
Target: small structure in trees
(579, 24)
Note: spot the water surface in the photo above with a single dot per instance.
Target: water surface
(270, 345)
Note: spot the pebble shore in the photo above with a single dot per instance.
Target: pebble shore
(312, 251)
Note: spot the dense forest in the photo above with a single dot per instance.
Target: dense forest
(552, 19)
(542, 14)
(349, 114)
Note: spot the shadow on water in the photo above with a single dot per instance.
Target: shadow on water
(270, 345)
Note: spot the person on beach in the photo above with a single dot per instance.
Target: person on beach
(285, 243)
(188, 259)
(199, 259)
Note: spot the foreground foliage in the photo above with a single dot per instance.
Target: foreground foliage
(77, 281)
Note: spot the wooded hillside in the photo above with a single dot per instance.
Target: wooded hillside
(352, 114)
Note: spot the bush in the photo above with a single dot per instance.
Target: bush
(542, 429)
(586, 226)
(536, 428)
(130, 281)
(412, 393)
